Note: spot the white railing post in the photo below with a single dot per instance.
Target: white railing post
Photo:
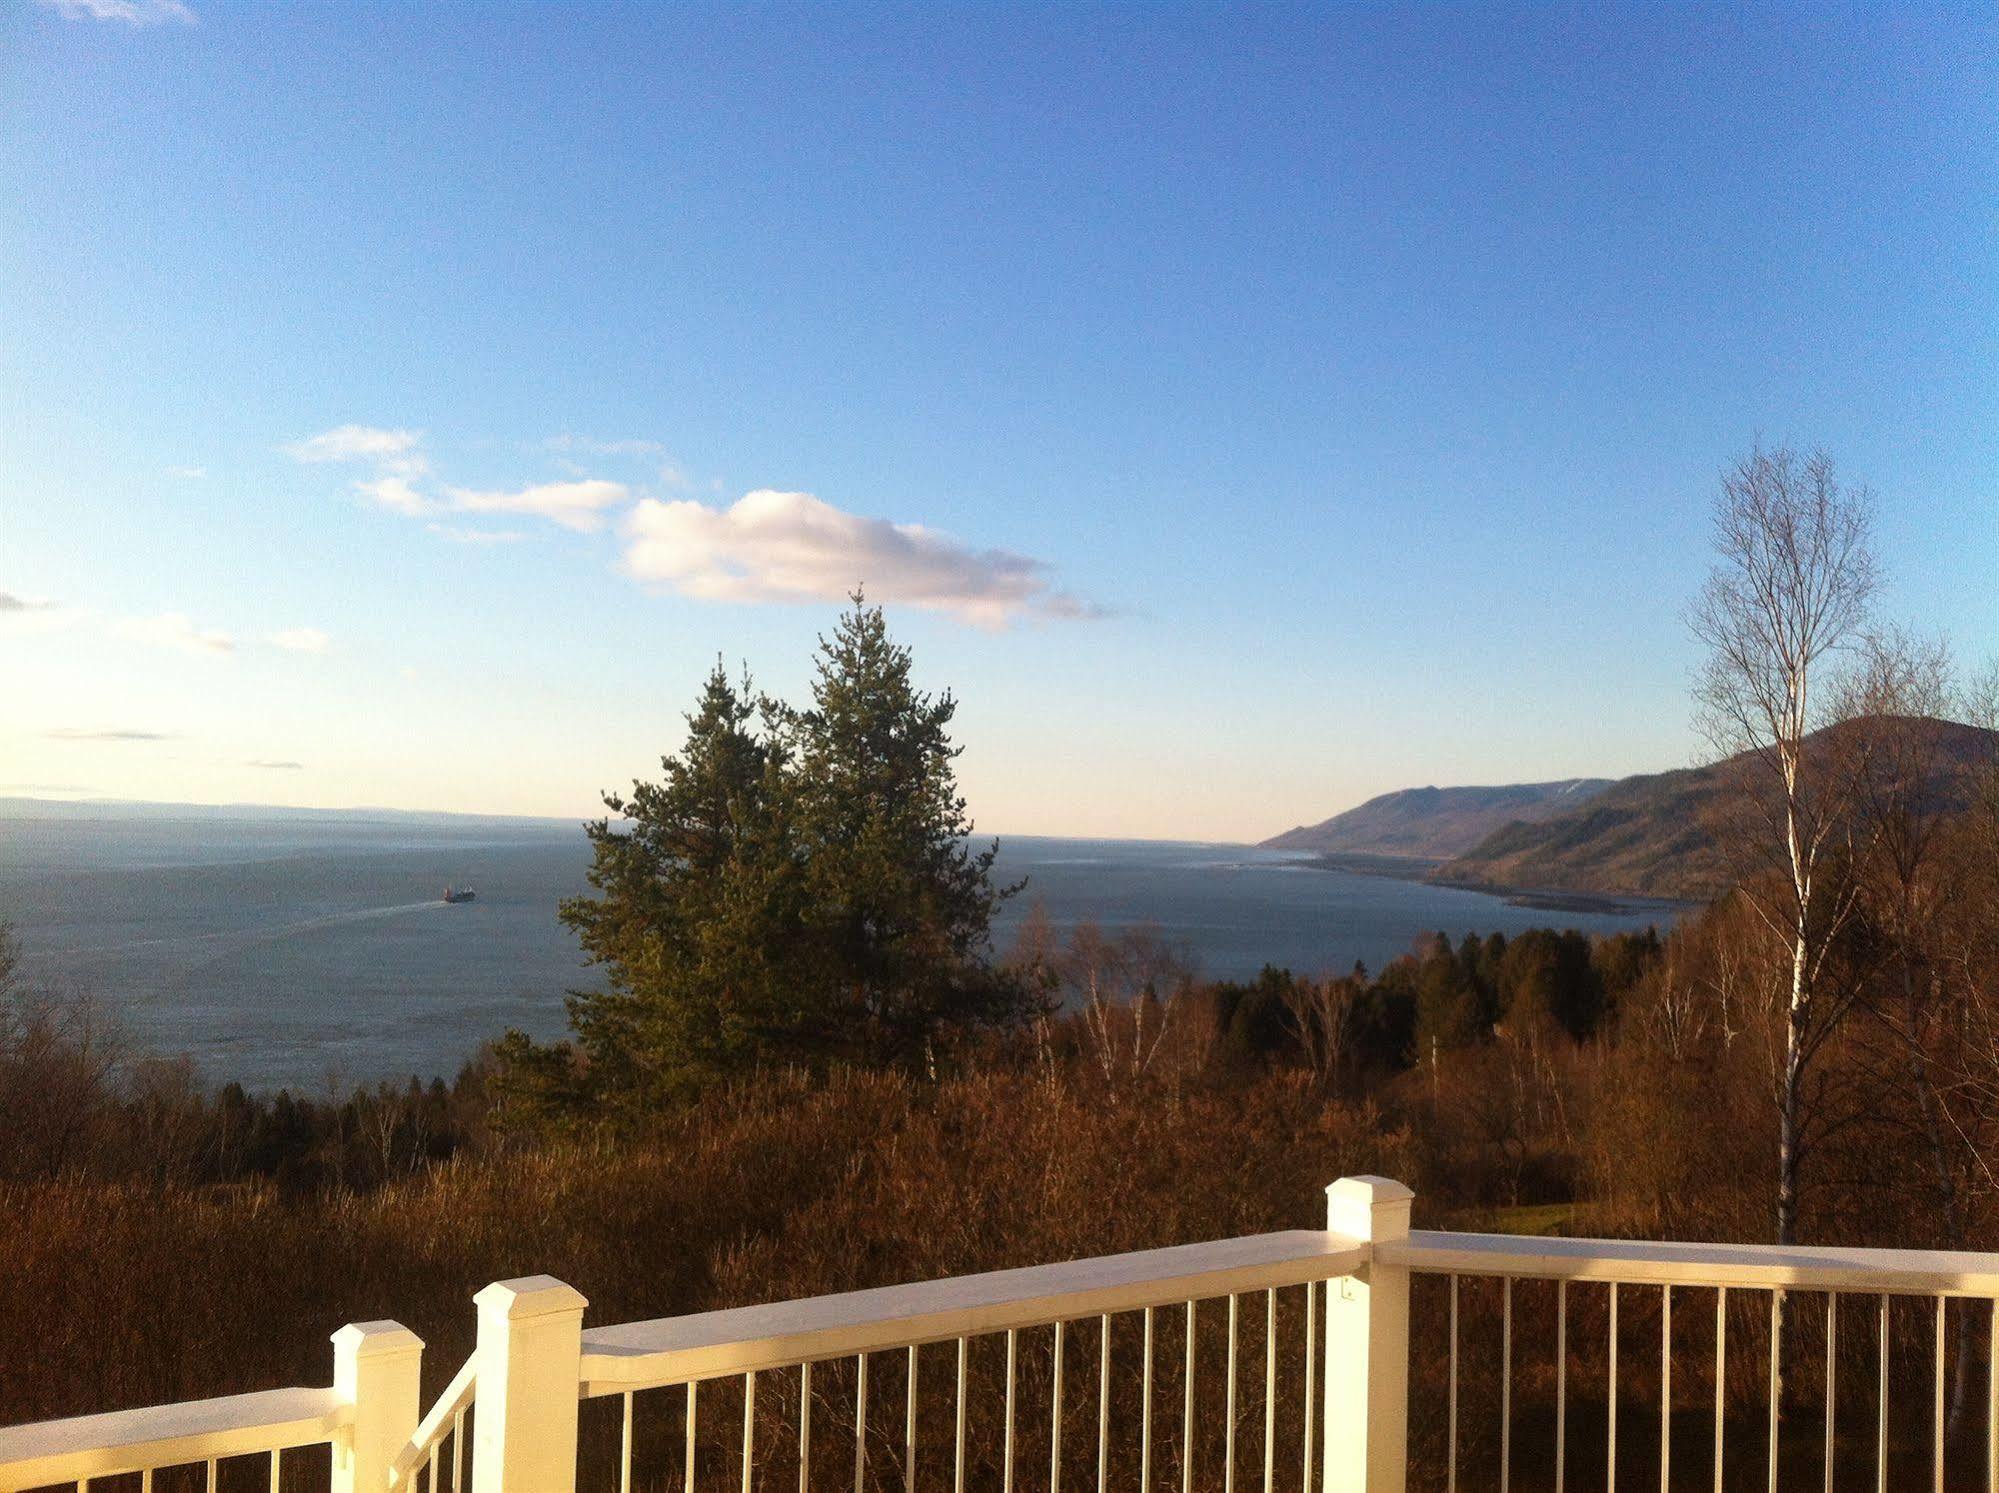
(530, 1355)
(377, 1368)
(1367, 1345)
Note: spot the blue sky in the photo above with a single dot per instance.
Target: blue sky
(1244, 411)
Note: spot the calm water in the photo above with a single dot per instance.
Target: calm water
(305, 948)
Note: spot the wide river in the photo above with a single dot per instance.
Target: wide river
(312, 949)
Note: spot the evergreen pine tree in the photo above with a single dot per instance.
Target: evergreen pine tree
(899, 904)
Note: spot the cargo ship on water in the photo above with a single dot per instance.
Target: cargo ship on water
(459, 894)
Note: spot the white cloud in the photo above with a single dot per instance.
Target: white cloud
(574, 505)
(791, 546)
(391, 450)
(396, 494)
(173, 630)
(300, 640)
(9, 602)
(131, 12)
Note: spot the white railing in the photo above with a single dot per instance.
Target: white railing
(1276, 1362)
(361, 1417)
(1782, 1275)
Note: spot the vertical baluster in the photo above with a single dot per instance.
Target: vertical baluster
(958, 1443)
(1006, 1474)
(1228, 1428)
(692, 1388)
(1505, 1383)
(1776, 1376)
(860, 1422)
(277, 1468)
(1881, 1435)
(1311, 1368)
(1936, 1427)
(1992, 1403)
(213, 1473)
(624, 1453)
(805, 1428)
(1665, 1388)
(749, 1427)
(1055, 1417)
(1831, 1382)
(958, 1434)
(909, 1430)
(1104, 1405)
(436, 1448)
(457, 1452)
(146, 1481)
(1610, 1432)
(1270, 1391)
(1451, 1435)
(1187, 1410)
(1720, 1380)
(1145, 1410)
(1561, 1383)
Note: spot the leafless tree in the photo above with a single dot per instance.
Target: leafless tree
(1792, 586)
(1129, 987)
(60, 1055)
(1319, 1014)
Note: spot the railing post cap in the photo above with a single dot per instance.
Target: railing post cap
(529, 1296)
(375, 1339)
(1369, 1207)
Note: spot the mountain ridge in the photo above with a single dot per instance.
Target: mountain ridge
(1433, 823)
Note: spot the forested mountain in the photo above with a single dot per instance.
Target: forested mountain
(1435, 823)
(1655, 834)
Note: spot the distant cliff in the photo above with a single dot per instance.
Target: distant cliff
(1436, 823)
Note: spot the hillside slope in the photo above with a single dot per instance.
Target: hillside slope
(1653, 835)
(1435, 823)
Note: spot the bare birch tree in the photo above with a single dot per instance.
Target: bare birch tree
(1792, 585)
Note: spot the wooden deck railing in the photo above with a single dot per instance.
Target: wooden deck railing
(1273, 1362)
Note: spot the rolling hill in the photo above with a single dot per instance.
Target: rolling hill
(1652, 835)
(1435, 823)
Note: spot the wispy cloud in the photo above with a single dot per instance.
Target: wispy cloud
(568, 444)
(9, 602)
(396, 494)
(173, 630)
(574, 505)
(300, 640)
(399, 463)
(188, 473)
(459, 534)
(791, 546)
(81, 733)
(131, 12)
(391, 450)
(276, 766)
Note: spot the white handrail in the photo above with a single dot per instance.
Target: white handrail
(93, 1446)
(458, 1394)
(1913, 1272)
(674, 1350)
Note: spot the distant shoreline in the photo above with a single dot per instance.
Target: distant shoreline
(1545, 899)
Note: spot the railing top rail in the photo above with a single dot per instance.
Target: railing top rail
(88, 1446)
(672, 1350)
(458, 1394)
(1915, 1272)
